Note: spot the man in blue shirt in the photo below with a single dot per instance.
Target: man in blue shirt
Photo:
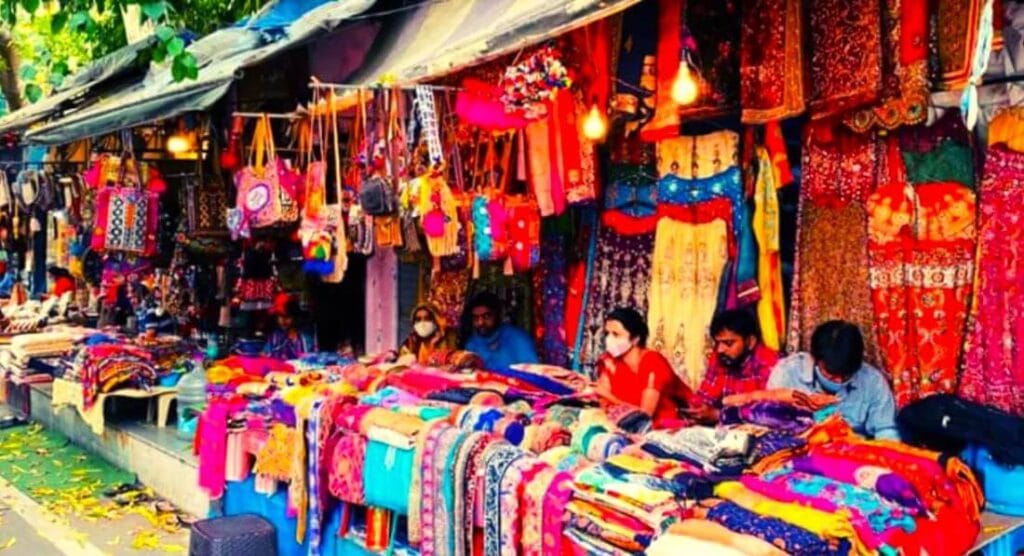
(836, 366)
(499, 345)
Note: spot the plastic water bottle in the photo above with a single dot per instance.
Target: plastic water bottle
(191, 401)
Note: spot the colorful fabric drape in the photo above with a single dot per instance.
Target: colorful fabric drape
(551, 289)
(831, 276)
(958, 27)
(845, 55)
(620, 276)
(830, 279)
(698, 156)
(771, 309)
(772, 60)
(686, 271)
(993, 371)
(665, 122)
(921, 259)
(905, 86)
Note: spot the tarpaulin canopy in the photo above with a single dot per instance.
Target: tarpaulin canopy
(442, 37)
(113, 66)
(220, 56)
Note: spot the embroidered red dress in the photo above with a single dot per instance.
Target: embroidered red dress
(921, 251)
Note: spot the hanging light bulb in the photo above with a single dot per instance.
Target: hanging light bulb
(178, 144)
(595, 126)
(685, 88)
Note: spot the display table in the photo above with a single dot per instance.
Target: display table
(1000, 535)
(69, 393)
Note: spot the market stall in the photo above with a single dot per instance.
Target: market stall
(825, 168)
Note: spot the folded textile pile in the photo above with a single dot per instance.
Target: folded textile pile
(103, 368)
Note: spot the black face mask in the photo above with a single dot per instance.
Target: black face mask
(734, 363)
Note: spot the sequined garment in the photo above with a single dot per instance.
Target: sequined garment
(993, 370)
(845, 55)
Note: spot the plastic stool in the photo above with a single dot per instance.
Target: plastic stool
(1009, 544)
(240, 535)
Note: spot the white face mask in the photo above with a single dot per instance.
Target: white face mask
(425, 328)
(616, 346)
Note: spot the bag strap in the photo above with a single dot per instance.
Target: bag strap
(257, 150)
(335, 146)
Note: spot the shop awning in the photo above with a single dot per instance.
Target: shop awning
(442, 37)
(221, 57)
(113, 66)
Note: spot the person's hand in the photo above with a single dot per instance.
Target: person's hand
(702, 414)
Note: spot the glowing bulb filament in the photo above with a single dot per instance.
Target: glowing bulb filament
(594, 125)
(177, 144)
(685, 88)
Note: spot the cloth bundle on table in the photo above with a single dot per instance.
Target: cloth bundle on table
(620, 276)
(790, 538)
(921, 253)
(993, 368)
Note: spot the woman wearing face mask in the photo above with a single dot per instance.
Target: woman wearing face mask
(429, 335)
(836, 366)
(631, 374)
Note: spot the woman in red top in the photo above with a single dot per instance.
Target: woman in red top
(62, 281)
(629, 373)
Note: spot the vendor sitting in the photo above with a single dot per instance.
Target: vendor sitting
(430, 334)
(290, 341)
(739, 364)
(836, 366)
(499, 345)
(629, 373)
(62, 281)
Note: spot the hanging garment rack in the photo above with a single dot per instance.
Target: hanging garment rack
(256, 115)
(315, 84)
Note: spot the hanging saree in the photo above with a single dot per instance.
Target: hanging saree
(830, 278)
(921, 260)
(845, 55)
(905, 86)
(620, 276)
(686, 270)
(993, 370)
(551, 286)
(958, 27)
(771, 309)
(698, 156)
(771, 60)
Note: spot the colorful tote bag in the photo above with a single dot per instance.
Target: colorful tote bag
(261, 200)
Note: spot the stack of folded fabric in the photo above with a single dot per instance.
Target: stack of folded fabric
(36, 357)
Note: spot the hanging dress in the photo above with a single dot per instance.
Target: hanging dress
(993, 370)
(921, 253)
(830, 278)
(686, 271)
(620, 276)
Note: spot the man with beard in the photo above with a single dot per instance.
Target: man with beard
(498, 343)
(739, 363)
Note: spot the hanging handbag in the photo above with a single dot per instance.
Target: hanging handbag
(317, 241)
(377, 195)
(261, 199)
(126, 217)
(206, 199)
(334, 214)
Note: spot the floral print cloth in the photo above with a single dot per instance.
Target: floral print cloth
(922, 265)
(993, 369)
